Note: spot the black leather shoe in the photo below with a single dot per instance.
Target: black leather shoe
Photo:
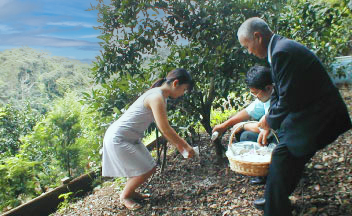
(258, 180)
(259, 203)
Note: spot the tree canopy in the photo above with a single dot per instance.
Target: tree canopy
(131, 30)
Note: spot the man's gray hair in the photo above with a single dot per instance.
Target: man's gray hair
(251, 25)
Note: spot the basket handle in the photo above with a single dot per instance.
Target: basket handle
(243, 123)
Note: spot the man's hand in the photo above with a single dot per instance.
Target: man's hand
(263, 124)
(263, 137)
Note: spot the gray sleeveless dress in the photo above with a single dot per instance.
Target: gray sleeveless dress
(124, 155)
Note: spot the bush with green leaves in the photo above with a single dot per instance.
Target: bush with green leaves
(54, 136)
(325, 28)
(38, 151)
(14, 123)
(67, 137)
(18, 181)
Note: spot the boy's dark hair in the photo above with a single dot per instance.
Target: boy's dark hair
(180, 74)
(258, 77)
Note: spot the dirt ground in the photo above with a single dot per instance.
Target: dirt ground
(204, 187)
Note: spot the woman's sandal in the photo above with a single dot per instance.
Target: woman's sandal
(133, 207)
(140, 196)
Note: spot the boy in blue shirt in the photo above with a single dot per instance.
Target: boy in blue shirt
(259, 82)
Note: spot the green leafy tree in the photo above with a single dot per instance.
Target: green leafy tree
(54, 137)
(66, 142)
(67, 139)
(324, 28)
(15, 123)
(18, 181)
(65, 120)
(131, 29)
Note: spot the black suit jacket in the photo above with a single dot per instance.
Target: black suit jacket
(306, 105)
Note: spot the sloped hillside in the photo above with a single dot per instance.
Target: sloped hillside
(202, 187)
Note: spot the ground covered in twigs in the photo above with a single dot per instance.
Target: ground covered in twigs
(203, 187)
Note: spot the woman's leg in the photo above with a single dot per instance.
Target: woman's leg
(132, 184)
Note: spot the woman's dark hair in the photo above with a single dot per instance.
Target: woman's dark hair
(179, 74)
(258, 77)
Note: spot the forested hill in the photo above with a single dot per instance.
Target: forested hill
(32, 75)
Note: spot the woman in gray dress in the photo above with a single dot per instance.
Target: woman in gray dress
(124, 155)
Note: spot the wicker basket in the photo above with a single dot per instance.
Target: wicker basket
(248, 168)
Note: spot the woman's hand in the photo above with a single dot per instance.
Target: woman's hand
(187, 151)
(191, 152)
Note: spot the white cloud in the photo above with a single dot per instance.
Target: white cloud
(25, 40)
(11, 9)
(64, 26)
(4, 29)
(86, 25)
(89, 36)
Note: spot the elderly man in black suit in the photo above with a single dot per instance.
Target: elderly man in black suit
(305, 105)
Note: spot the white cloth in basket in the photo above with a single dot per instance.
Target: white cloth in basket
(248, 151)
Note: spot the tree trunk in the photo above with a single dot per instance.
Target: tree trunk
(219, 149)
(206, 108)
(68, 164)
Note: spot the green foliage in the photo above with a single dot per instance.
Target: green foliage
(227, 110)
(116, 95)
(131, 29)
(120, 182)
(31, 75)
(67, 137)
(18, 180)
(64, 119)
(67, 197)
(324, 28)
(65, 142)
(36, 151)
(14, 123)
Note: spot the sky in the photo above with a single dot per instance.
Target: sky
(59, 27)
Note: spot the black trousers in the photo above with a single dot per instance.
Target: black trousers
(285, 172)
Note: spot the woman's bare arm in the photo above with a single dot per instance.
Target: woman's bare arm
(156, 103)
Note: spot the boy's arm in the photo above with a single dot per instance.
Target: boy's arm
(239, 117)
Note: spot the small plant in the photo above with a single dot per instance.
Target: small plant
(120, 182)
(67, 198)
